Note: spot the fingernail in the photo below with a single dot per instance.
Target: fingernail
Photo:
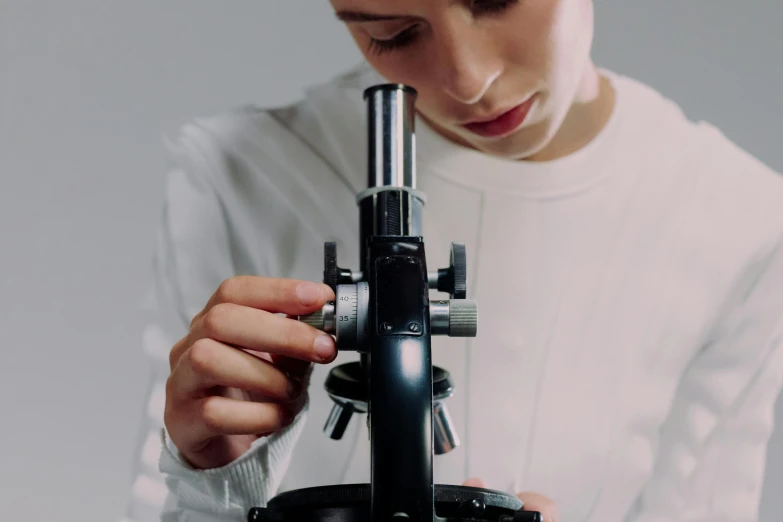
(324, 347)
(309, 293)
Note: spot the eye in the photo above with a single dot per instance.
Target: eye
(402, 39)
(409, 36)
(492, 6)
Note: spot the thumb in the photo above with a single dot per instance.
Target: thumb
(537, 502)
(474, 482)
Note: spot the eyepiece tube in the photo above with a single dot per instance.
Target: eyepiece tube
(391, 205)
(391, 120)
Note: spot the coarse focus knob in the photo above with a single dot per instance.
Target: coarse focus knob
(333, 274)
(331, 270)
(455, 317)
(459, 264)
(346, 317)
(452, 280)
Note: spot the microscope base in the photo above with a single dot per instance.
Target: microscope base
(351, 503)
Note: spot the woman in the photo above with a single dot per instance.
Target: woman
(627, 263)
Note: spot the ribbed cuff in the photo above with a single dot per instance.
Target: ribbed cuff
(231, 490)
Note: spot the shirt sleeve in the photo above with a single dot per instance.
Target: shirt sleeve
(192, 256)
(713, 447)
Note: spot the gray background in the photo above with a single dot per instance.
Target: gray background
(88, 88)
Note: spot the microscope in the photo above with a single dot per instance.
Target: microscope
(384, 312)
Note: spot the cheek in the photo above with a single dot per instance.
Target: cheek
(550, 38)
(529, 40)
(409, 71)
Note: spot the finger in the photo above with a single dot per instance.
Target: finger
(536, 502)
(210, 363)
(179, 348)
(215, 416)
(295, 405)
(294, 367)
(262, 331)
(288, 296)
(474, 482)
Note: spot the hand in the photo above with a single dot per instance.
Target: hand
(242, 371)
(532, 501)
(537, 502)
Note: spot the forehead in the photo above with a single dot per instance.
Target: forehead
(392, 5)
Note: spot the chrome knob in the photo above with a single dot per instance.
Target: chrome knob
(455, 317)
(322, 319)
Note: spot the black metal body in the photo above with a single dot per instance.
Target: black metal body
(395, 371)
(400, 381)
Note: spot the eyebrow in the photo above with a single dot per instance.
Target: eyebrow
(356, 16)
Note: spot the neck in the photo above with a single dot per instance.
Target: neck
(588, 115)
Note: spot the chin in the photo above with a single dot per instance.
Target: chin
(524, 143)
(519, 146)
(528, 141)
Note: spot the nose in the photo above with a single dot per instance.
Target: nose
(467, 64)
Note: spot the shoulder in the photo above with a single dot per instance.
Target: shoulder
(276, 173)
(735, 193)
(275, 176)
(244, 138)
(721, 207)
(742, 194)
(310, 135)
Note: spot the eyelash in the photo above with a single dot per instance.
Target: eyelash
(408, 36)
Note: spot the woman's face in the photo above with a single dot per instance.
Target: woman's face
(475, 60)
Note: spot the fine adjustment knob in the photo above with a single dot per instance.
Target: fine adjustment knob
(322, 319)
(463, 318)
(455, 317)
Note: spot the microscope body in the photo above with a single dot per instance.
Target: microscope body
(384, 312)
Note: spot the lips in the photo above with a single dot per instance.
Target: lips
(503, 124)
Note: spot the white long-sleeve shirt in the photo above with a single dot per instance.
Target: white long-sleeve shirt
(630, 300)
